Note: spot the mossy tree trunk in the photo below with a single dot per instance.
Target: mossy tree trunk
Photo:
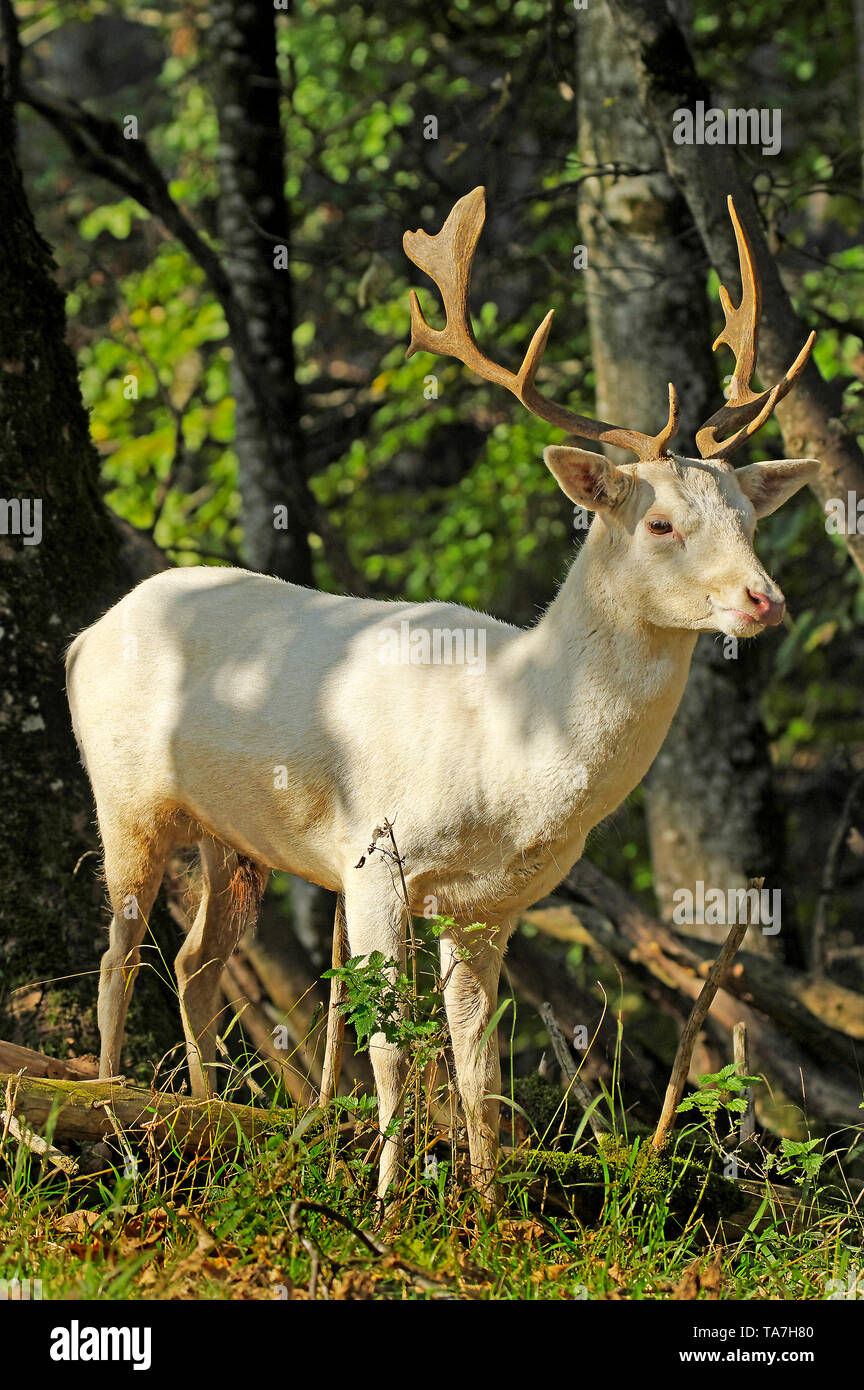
(51, 585)
(255, 226)
(709, 796)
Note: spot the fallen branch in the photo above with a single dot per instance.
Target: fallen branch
(427, 1282)
(243, 993)
(37, 1144)
(77, 1110)
(26, 1136)
(572, 1081)
(15, 1058)
(673, 968)
(826, 1014)
(698, 1014)
(540, 974)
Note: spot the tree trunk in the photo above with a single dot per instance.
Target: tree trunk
(711, 803)
(709, 797)
(49, 588)
(256, 296)
(255, 226)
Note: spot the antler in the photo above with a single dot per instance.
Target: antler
(447, 259)
(744, 407)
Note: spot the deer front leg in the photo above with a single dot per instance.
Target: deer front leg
(375, 921)
(470, 968)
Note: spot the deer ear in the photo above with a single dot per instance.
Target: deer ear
(589, 480)
(769, 485)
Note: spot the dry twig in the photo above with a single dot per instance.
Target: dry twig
(698, 1014)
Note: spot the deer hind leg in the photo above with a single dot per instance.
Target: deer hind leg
(470, 969)
(375, 921)
(230, 896)
(135, 861)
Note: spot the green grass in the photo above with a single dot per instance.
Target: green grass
(607, 1221)
(294, 1214)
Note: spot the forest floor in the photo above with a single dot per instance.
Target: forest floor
(292, 1218)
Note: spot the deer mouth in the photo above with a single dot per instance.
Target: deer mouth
(746, 617)
(736, 622)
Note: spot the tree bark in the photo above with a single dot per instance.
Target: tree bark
(647, 305)
(255, 227)
(49, 913)
(710, 805)
(13, 1059)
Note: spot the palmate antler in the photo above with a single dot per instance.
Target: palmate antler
(447, 259)
(744, 407)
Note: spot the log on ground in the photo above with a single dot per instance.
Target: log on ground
(76, 1110)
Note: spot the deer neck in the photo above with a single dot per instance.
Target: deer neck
(602, 686)
(594, 615)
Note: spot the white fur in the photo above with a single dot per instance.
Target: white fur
(205, 690)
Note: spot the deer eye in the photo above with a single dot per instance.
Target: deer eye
(658, 527)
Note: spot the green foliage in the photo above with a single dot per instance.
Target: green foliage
(800, 1158)
(719, 1093)
(575, 1226)
(424, 509)
(381, 999)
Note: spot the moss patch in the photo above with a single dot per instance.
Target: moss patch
(680, 1182)
(542, 1101)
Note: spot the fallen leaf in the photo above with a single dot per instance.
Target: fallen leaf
(474, 1274)
(520, 1232)
(701, 1277)
(354, 1284)
(76, 1223)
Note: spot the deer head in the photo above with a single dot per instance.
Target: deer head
(677, 533)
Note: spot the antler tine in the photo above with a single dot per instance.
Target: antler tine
(447, 258)
(745, 407)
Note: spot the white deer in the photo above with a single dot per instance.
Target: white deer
(271, 726)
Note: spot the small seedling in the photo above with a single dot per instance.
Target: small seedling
(720, 1092)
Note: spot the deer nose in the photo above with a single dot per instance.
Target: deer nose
(768, 610)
